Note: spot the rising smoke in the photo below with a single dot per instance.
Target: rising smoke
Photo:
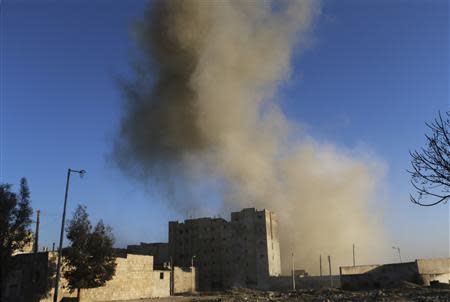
(202, 109)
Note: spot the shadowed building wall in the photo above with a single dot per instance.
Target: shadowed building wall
(242, 252)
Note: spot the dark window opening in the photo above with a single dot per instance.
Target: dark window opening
(161, 275)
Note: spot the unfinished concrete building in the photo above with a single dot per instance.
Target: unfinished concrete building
(242, 252)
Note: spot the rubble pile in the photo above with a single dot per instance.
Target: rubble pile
(404, 293)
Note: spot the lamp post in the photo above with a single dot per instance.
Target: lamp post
(192, 274)
(293, 272)
(61, 236)
(399, 254)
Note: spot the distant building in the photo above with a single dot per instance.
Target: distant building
(242, 252)
(159, 251)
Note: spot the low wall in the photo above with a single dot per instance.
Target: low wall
(160, 285)
(284, 283)
(184, 280)
(421, 271)
(378, 276)
(434, 270)
(134, 279)
(357, 269)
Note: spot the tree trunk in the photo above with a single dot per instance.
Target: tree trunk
(78, 295)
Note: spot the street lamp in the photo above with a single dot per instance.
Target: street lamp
(192, 274)
(398, 250)
(58, 266)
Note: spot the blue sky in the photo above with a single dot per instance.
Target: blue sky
(375, 72)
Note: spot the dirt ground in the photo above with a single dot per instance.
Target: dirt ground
(416, 293)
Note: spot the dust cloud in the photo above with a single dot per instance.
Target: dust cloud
(202, 112)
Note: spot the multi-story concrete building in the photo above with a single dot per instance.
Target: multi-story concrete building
(242, 252)
(256, 247)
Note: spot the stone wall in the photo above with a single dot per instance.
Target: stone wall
(160, 286)
(134, 279)
(184, 280)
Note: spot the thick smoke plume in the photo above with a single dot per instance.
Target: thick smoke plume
(202, 112)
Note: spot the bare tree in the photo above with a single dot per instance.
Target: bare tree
(430, 174)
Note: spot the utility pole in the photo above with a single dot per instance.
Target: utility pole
(61, 235)
(331, 276)
(353, 254)
(293, 272)
(172, 277)
(36, 233)
(320, 265)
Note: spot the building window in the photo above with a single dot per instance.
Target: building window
(161, 275)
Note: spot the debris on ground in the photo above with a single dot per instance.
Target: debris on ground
(404, 293)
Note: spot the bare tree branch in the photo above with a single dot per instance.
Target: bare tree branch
(430, 173)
